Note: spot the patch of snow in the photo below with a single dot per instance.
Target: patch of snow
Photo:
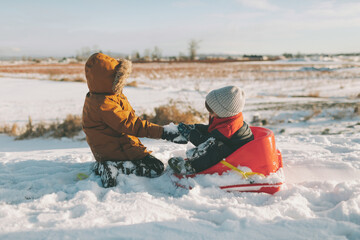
(171, 128)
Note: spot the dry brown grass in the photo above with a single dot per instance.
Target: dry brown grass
(70, 127)
(195, 70)
(314, 113)
(132, 84)
(314, 94)
(235, 70)
(49, 69)
(12, 130)
(339, 115)
(68, 79)
(357, 109)
(168, 113)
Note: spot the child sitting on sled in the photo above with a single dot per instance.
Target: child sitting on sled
(225, 133)
(111, 126)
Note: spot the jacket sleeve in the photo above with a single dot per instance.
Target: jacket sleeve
(127, 122)
(199, 134)
(202, 128)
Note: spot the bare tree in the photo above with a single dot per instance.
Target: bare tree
(135, 55)
(85, 52)
(182, 56)
(193, 47)
(156, 54)
(147, 54)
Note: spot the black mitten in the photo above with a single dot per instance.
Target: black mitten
(173, 136)
(169, 136)
(185, 130)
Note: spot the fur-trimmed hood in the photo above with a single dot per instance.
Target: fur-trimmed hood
(105, 74)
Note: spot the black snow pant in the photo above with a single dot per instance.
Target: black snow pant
(208, 154)
(149, 166)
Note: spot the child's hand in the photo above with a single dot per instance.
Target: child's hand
(185, 130)
(172, 134)
(173, 137)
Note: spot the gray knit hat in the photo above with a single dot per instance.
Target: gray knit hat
(227, 101)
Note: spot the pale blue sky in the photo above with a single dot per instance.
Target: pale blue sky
(61, 28)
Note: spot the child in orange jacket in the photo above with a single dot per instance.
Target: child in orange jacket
(111, 126)
(225, 133)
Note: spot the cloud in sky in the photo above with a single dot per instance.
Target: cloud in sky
(335, 9)
(259, 4)
(232, 26)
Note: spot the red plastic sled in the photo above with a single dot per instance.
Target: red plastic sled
(260, 155)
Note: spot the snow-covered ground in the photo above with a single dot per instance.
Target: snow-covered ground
(317, 129)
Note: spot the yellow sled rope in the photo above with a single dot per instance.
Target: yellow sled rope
(242, 173)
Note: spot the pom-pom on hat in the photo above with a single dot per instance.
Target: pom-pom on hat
(227, 101)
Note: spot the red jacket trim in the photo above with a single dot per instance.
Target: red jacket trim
(226, 126)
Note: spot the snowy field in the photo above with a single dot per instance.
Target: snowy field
(316, 121)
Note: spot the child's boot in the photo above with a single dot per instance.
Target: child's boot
(180, 166)
(108, 172)
(149, 167)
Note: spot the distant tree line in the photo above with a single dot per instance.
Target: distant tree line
(154, 54)
(193, 45)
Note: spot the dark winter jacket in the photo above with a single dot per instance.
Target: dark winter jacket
(229, 133)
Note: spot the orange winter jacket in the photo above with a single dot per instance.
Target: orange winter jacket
(109, 121)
